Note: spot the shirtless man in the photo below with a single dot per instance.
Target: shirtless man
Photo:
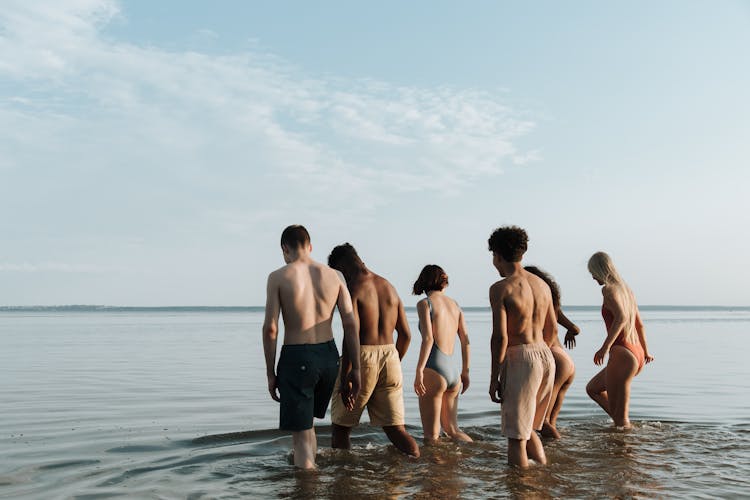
(306, 292)
(523, 369)
(378, 311)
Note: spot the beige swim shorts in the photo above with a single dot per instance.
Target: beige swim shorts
(382, 389)
(529, 376)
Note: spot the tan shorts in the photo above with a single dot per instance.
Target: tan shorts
(529, 376)
(382, 389)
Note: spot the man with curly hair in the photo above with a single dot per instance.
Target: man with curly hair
(522, 372)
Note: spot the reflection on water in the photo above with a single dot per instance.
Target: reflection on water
(652, 460)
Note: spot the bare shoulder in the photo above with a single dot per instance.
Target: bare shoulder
(278, 274)
(497, 290)
(538, 284)
(457, 308)
(384, 286)
(609, 291)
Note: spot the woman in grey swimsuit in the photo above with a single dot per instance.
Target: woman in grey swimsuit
(439, 380)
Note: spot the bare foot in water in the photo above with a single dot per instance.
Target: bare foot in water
(549, 431)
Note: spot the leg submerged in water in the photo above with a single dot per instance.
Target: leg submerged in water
(305, 445)
(564, 375)
(449, 416)
(402, 440)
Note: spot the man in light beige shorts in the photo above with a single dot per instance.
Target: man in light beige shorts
(523, 369)
(378, 311)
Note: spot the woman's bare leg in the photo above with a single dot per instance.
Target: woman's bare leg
(621, 368)
(597, 390)
(430, 405)
(564, 375)
(449, 415)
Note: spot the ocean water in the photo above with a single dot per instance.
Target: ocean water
(172, 403)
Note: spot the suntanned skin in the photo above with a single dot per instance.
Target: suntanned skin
(522, 313)
(306, 293)
(378, 311)
(610, 388)
(565, 372)
(438, 404)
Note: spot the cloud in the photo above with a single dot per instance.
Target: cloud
(145, 134)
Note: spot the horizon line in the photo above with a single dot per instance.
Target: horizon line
(102, 307)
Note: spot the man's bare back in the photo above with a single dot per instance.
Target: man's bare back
(527, 302)
(307, 294)
(522, 370)
(379, 310)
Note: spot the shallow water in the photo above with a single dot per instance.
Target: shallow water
(173, 404)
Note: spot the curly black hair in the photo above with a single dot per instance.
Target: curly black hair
(509, 242)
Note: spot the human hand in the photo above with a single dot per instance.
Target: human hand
(419, 387)
(599, 356)
(464, 381)
(570, 339)
(345, 390)
(273, 387)
(353, 382)
(496, 393)
(649, 358)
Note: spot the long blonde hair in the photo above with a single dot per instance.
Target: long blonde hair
(602, 268)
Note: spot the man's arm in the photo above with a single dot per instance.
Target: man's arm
(498, 341)
(351, 338)
(403, 338)
(346, 365)
(271, 332)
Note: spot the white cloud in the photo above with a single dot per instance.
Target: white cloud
(185, 134)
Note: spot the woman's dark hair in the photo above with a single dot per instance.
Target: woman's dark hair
(551, 283)
(509, 242)
(431, 278)
(295, 236)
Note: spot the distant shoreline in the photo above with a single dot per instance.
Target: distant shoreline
(245, 309)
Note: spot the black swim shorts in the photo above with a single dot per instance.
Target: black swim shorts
(306, 375)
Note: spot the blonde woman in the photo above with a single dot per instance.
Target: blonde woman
(625, 342)
(439, 380)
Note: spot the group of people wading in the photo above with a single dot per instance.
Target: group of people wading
(530, 370)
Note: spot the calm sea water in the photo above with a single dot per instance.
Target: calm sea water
(173, 404)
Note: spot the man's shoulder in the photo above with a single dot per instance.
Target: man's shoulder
(499, 286)
(383, 284)
(279, 273)
(370, 286)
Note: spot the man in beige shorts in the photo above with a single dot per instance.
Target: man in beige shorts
(523, 369)
(378, 311)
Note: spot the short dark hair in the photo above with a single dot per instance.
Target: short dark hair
(551, 283)
(344, 258)
(295, 236)
(431, 278)
(509, 242)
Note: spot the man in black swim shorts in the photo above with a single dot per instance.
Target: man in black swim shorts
(306, 292)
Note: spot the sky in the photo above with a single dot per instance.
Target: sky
(152, 152)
